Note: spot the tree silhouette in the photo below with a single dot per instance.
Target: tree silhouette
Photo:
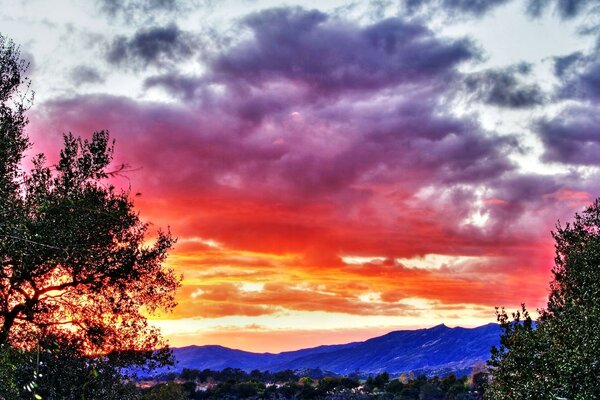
(74, 253)
(558, 358)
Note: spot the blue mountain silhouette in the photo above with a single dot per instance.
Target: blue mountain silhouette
(437, 350)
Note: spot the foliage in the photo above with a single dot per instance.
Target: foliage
(76, 270)
(9, 387)
(558, 358)
(167, 391)
(74, 259)
(237, 384)
(62, 372)
(378, 382)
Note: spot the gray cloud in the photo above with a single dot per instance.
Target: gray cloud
(453, 8)
(83, 74)
(565, 8)
(564, 64)
(308, 57)
(580, 76)
(156, 46)
(176, 84)
(148, 11)
(503, 88)
(329, 55)
(572, 137)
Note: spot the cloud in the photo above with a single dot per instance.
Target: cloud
(255, 339)
(563, 65)
(503, 88)
(176, 84)
(114, 7)
(453, 8)
(572, 136)
(386, 292)
(565, 8)
(83, 74)
(156, 46)
(580, 76)
(275, 139)
(310, 138)
(465, 9)
(309, 48)
(286, 198)
(148, 11)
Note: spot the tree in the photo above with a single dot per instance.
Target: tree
(559, 356)
(167, 391)
(75, 266)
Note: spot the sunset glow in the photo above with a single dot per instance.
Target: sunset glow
(332, 170)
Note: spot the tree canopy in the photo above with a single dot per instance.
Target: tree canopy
(76, 263)
(559, 356)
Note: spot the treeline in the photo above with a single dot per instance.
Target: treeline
(237, 384)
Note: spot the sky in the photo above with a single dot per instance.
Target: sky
(333, 170)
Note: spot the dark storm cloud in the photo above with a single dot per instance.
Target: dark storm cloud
(158, 46)
(83, 74)
(311, 49)
(292, 64)
(503, 88)
(572, 137)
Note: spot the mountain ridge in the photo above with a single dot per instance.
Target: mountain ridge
(436, 350)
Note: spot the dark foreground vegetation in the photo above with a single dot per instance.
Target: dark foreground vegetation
(237, 384)
(76, 268)
(557, 356)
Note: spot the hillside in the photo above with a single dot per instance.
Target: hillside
(436, 350)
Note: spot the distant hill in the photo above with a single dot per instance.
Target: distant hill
(438, 350)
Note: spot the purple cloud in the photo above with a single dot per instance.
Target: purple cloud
(176, 84)
(311, 49)
(157, 46)
(274, 126)
(502, 87)
(572, 137)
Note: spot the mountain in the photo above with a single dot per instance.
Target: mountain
(438, 350)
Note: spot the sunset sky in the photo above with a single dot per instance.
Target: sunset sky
(333, 170)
